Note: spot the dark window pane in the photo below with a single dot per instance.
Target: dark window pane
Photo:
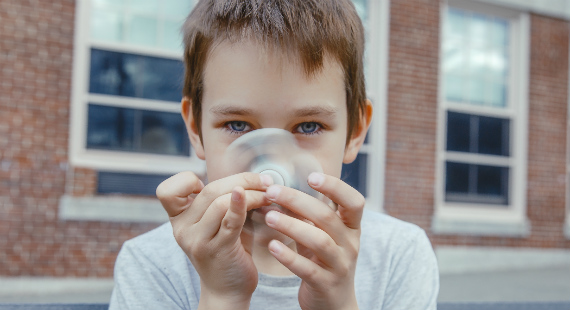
(492, 181)
(477, 134)
(163, 133)
(162, 79)
(128, 183)
(354, 174)
(123, 129)
(476, 183)
(456, 178)
(121, 74)
(110, 128)
(458, 132)
(493, 136)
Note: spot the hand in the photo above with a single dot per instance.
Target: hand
(208, 228)
(327, 247)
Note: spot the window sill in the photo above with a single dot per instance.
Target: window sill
(111, 209)
(476, 259)
(136, 163)
(481, 227)
(567, 228)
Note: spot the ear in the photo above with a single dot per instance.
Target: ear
(193, 133)
(358, 135)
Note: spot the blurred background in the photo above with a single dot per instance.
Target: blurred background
(469, 138)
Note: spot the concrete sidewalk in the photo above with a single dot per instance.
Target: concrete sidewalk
(55, 290)
(545, 284)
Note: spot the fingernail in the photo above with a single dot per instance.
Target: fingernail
(266, 179)
(273, 191)
(274, 247)
(271, 217)
(235, 196)
(316, 179)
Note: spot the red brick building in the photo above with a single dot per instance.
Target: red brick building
(469, 139)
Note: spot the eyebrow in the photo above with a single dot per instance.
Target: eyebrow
(230, 110)
(323, 111)
(316, 111)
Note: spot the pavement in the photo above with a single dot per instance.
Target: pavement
(531, 285)
(55, 290)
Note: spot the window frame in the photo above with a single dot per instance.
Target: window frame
(109, 160)
(567, 192)
(377, 60)
(567, 196)
(485, 219)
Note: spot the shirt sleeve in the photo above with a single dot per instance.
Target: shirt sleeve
(140, 284)
(414, 279)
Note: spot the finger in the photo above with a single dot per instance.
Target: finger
(350, 202)
(303, 267)
(309, 236)
(211, 223)
(310, 208)
(217, 188)
(234, 218)
(174, 192)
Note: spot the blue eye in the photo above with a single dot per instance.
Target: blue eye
(237, 126)
(308, 128)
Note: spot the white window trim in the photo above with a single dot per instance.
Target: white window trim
(567, 204)
(483, 219)
(460, 260)
(556, 9)
(567, 200)
(377, 91)
(111, 209)
(79, 155)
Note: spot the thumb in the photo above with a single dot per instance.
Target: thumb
(177, 193)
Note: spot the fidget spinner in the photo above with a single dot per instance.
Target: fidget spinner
(273, 152)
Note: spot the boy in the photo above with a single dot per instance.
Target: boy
(294, 65)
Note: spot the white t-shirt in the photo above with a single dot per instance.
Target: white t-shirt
(396, 269)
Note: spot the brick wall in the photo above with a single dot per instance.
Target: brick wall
(36, 40)
(548, 104)
(412, 110)
(412, 116)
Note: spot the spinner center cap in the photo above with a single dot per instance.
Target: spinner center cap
(276, 176)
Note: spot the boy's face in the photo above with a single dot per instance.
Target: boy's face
(245, 89)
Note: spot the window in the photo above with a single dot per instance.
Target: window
(128, 75)
(471, 182)
(125, 116)
(366, 172)
(483, 115)
(355, 173)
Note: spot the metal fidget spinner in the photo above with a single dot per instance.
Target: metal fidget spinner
(273, 152)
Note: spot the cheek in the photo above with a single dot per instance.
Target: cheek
(331, 160)
(332, 167)
(214, 153)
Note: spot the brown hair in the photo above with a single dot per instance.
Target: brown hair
(312, 28)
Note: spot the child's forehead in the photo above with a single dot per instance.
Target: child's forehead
(240, 76)
(275, 55)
